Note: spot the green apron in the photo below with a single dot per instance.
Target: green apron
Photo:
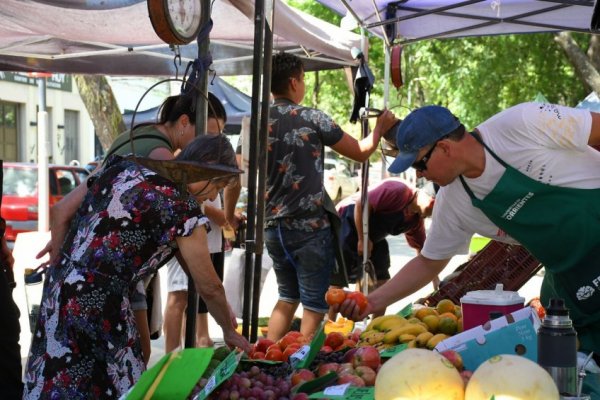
(561, 228)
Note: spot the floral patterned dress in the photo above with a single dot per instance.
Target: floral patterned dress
(86, 344)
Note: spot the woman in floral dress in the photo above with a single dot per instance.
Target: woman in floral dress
(131, 222)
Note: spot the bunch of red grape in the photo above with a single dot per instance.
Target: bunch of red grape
(278, 370)
(323, 358)
(253, 384)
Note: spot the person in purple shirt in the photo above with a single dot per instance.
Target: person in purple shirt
(394, 208)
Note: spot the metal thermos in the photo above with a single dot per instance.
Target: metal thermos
(557, 347)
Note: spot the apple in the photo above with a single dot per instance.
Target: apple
(349, 354)
(367, 356)
(302, 375)
(326, 349)
(334, 340)
(300, 396)
(346, 343)
(355, 335)
(263, 344)
(324, 369)
(258, 355)
(352, 379)
(455, 358)
(367, 374)
(345, 369)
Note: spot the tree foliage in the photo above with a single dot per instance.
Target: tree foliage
(475, 77)
(478, 77)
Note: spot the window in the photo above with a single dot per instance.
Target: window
(8, 131)
(21, 182)
(66, 181)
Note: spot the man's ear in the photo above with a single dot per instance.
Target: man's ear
(444, 146)
(293, 84)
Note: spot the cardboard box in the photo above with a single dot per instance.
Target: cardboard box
(515, 333)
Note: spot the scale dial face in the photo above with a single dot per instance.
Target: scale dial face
(175, 21)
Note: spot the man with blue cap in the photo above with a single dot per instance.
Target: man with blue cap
(527, 175)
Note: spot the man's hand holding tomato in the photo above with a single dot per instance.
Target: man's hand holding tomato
(353, 305)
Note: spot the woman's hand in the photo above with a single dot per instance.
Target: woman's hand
(57, 237)
(235, 340)
(232, 316)
(46, 250)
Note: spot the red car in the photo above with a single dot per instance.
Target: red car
(20, 196)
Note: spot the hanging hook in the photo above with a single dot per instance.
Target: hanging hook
(176, 59)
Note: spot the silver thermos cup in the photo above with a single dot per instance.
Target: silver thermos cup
(557, 347)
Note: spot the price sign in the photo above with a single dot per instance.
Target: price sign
(392, 351)
(299, 356)
(347, 393)
(337, 390)
(303, 359)
(223, 372)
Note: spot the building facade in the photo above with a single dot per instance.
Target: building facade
(71, 132)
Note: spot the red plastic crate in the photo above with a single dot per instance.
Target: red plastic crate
(511, 265)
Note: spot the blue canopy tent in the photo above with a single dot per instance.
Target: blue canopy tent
(236, 103)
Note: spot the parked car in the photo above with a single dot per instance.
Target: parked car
(338, 180)
(20, 193)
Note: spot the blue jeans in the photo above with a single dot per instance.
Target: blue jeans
(302, 262)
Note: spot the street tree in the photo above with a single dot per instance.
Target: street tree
(101, 104)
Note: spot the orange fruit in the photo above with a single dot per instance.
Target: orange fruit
(450, 315)
(458, 311)
(444, 306)
(335, 296)
(448, 325)
(432, 322)
(425, 311)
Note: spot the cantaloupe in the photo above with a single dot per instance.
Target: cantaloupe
(342, 325)
(511, 377)
(418, 374)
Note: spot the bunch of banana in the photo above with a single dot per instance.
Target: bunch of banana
(375, 333)
(419, 331)
(371, 338)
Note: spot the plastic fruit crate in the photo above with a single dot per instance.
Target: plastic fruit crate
(509, 264)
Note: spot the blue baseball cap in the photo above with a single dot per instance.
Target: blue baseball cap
(421, 127)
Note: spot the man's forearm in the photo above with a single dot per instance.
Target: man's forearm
(417, 273)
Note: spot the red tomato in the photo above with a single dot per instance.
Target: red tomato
(274, 354)
(360, 300)
(335, 296)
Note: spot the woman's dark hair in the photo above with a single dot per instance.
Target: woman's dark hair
(210, 149)
(215, 108)
(176, 106)
(284, 66)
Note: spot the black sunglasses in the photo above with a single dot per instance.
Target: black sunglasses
(421, 165)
